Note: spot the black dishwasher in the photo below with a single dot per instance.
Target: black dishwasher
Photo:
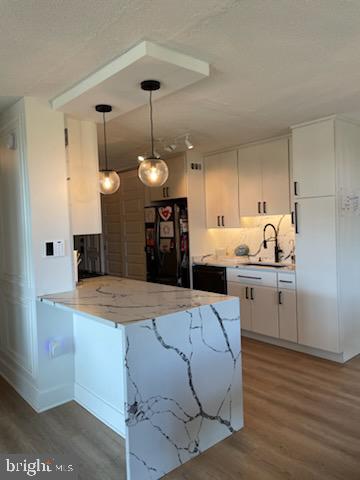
(209, 278)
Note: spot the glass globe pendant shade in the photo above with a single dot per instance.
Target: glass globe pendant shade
(153, 172)
(109, 182)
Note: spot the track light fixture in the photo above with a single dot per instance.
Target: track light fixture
(188, 144)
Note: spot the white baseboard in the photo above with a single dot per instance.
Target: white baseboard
(112, 417)
(20, 381)
(334, 357)
(54, 397)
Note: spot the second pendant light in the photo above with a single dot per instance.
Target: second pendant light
(152, 171)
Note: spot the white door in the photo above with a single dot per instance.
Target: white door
(250, 185)
(265, 313)
(221, 190)
(275, 177)
(243, 292)
(316, 273)
(313, 157)
(175, 186)
(287, 315)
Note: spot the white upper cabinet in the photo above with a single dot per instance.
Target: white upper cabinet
(83, 172)
(176, 185)
(313, 148)
(275, 177)
(250, 182)
(221, 190)
(264, 187)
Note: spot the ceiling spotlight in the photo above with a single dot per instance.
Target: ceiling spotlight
(188, 144)
(141, 158)
(171, 147)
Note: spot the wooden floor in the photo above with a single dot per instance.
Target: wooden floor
(302, 421)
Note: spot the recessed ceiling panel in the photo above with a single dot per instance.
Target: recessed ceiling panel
(118, 83)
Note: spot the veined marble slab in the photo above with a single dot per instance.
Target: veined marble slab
(183, 386)
(121, 300)
(180, 356)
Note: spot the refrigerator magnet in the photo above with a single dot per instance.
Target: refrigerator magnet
(165, 245)
(167, 229)
(150, 237)
(150, 215)
(165, 212)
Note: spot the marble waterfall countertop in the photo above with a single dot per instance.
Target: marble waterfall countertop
(123, 301)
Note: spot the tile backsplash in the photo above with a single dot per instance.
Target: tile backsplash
(251, 234)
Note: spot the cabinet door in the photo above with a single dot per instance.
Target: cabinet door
(287, 315)
(176, 185)
(83, 171)
(313, 152)
(243, 292)
(265, 312)
(275, 177)
(250, 188)
(221, 190)
(316, 274)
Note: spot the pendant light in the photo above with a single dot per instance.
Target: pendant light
(109, 179)
(153, 172)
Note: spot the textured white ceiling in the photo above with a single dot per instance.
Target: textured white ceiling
(274, 62)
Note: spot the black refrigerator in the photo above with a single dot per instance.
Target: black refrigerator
(167, 243)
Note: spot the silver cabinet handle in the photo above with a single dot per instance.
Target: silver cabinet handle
(264, 207)
(259, 207)
(252, 293)
(218, 221)
(247, 293)
(223, 220)
(280, 297)
(286, 281)
(249, 276)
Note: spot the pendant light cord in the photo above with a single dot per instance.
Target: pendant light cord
(151, 127)
(105, 142)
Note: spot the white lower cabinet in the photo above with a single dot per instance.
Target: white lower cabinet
(265, 312)
(287, 315)
(242, 291)
(267, 301)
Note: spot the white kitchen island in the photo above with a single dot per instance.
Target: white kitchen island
(167, 377)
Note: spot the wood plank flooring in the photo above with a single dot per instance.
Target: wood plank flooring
(302, 422)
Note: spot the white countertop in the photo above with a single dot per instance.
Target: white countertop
(240, 262)
(122, 300)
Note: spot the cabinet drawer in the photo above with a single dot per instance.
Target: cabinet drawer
(252, 277)
(286, 281)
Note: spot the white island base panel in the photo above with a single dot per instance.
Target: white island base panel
(183, 386)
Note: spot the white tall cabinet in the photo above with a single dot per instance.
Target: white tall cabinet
(326, 172)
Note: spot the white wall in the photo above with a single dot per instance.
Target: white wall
(199, 239)
(34, 205)
(46, 164)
